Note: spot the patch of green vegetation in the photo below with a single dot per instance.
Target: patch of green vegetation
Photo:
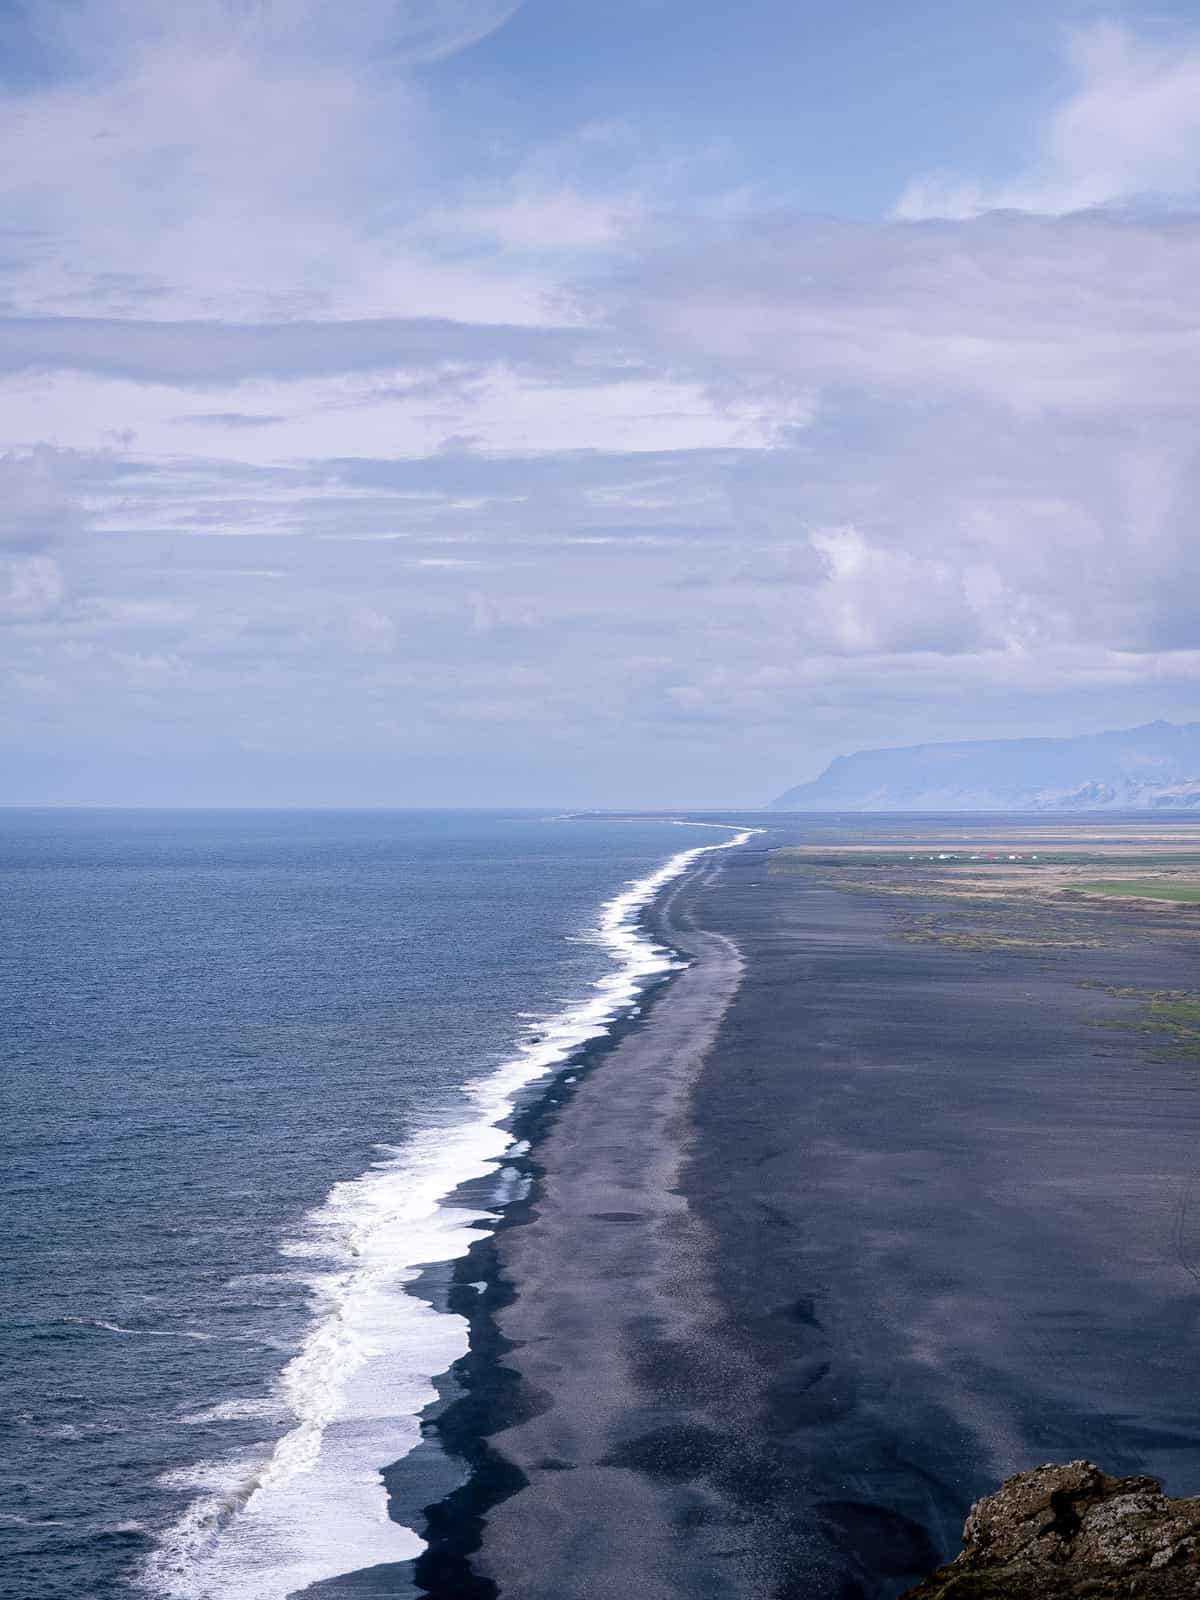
(1170, 1015)
(1004, 931)
(783, 861)
(1126, 991)
(1144, 889)
(789, 859)
(981, 939)
(1076, 858)
(1179, 1015)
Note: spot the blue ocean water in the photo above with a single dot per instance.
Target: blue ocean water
(244, 1056)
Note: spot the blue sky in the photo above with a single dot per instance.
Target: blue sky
(825, 106)
(572, 403)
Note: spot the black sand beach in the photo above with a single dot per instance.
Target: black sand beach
(850, 1226)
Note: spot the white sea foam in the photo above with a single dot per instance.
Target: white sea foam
(314, 1505)
(237, 1410)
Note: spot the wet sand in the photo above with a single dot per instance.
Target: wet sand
(626, 1379)
(845, 1230)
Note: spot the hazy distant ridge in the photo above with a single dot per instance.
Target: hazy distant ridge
(1154, 766)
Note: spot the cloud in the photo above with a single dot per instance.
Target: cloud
(232, 157)
(1004, 503)
(1129, 126)
(669, 507)
(875, 599)
(204, 354)
(37, 506)
(37, 513)
(232, 419)
(100, 33)
(1082, 314)
(31, 587)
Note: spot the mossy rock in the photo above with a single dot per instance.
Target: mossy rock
(1066, 1532)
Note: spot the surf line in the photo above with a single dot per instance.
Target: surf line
(316, 1507)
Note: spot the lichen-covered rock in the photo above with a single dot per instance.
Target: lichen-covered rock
(1061, 1532)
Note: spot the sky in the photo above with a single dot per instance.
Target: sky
(617, 403)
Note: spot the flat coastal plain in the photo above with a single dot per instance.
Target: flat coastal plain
(891, 1193)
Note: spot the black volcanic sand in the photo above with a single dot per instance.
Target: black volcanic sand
(847, 1229)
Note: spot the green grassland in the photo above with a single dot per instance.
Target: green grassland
(1145, 889)
(789, 859)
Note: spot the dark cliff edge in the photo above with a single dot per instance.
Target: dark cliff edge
(1061, 1532)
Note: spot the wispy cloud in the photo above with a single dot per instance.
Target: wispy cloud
(1130, 125)
(529, 446)
(236, 158)
(232, 419)
(204, 354)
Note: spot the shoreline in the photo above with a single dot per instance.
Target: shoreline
(478, 1398)
(376, 1360)
(924, 1231)
(442, 1485)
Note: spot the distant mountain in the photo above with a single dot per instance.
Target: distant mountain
(1156, 766)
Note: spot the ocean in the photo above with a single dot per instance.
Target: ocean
(247, 1055)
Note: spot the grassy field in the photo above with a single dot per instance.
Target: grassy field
(1144, 889)
(788, 858)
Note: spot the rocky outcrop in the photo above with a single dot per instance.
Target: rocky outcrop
(1062, 1532)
